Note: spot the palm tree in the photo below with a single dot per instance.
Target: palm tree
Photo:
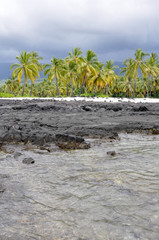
(141, 87)
(137, 64)
(75, 55)
(152, 70)
(71, 73)
(127, 77)
(89, 66)
(54, 71)
(98, 81)
(35, 55)
(36, 58)
(25, 66)
(109, 74)
(12, 84)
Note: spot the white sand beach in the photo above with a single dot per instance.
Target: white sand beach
(93, 99)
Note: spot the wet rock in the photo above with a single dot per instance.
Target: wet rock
(115, 108)
(68, 138)
(8, 149)
(140, 109)
(87, 108)
(155, 131)
(101, 110)
(3, 176)
(143, 109)
(79, 118)
(65, 141)
(17, 154)
(1, 144)
(113, 136)
(37, 139)
(6, 137)
(40, 139)
(28, 161)
(2, 189)
(45, 148)
(111, 153)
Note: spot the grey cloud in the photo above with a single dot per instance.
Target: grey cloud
(111, 28)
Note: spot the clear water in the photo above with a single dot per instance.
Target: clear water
(84, 194)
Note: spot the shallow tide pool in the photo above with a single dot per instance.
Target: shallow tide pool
(83, 194)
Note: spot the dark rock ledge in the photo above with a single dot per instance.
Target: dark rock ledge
(67, 123)
(70, 142)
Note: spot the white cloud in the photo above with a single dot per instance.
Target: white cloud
(54, 27)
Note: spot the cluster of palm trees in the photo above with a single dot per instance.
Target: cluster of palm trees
(77, 75)
(148, 69)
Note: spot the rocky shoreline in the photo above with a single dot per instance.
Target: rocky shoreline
(40, 121)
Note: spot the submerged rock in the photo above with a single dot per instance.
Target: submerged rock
(17, 154)
(65, 141)
(141, 108)
(2, 189)
(45, 148)
(111, 153)
(8, 149)
(155, 131)
(28, 161)
(113, 136)
(87, 108)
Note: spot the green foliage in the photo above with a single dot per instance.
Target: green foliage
(87, 95)
(79, 75)
(6, 95)
(93, 95)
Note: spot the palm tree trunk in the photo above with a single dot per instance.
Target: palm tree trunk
(31, 89)
(67, 90)
(86, 90)
(8, 91)
(95, 90)
(133, 94)
(23, 88)
(84, 80)
(25, 81)
(57, 89)
(106, 90)
(130, 86)
(127, 94)
(148, 87)
(151, 87)
(72, 93)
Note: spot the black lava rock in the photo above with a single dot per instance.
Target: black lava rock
(28, 161)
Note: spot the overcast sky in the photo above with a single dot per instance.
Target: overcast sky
(112, 28)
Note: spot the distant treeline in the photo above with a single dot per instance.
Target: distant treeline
(79, 75)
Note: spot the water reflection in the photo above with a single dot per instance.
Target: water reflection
(84, 194)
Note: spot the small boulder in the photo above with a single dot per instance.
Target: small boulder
(143, 109)
(155, 131)
(28, 161)
(45, 148)
(69, 142)
(87, 108)
(2, 189)
(111, 153)
(8, 149)
(113, 136)
(17, 154)
(140, 108)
